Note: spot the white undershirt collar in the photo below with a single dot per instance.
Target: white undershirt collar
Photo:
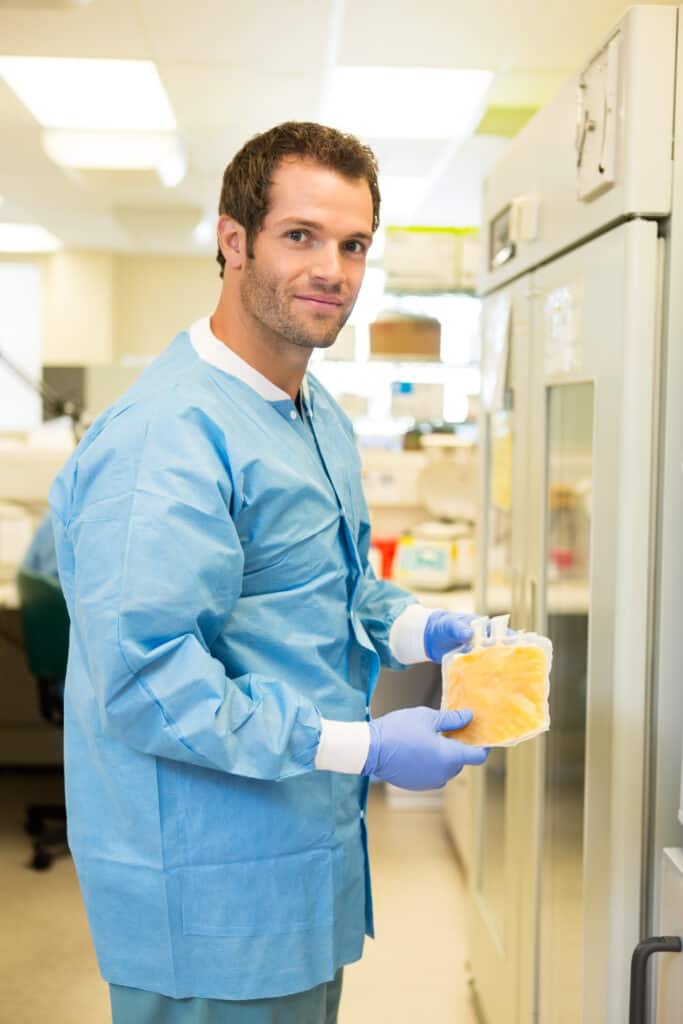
(211, 350)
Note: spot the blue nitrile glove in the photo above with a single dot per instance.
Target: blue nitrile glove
(407, 748)
(445, 631)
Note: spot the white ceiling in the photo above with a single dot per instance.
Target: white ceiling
(235, 67)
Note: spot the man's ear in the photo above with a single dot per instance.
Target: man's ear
(232, 241)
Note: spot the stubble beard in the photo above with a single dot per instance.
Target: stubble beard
(265, 304)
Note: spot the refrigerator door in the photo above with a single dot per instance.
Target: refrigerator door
(666, 778)
(590, 585)
(494, 862)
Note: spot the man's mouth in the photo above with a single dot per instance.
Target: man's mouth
(321, 302)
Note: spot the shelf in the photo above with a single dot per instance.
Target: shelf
(566, 598)
(460, 601)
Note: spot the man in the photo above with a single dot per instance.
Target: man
(228, 631)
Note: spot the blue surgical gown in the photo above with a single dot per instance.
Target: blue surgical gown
(213, 554)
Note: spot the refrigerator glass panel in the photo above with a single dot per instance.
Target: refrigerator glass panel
(499, 590)
(570, 458)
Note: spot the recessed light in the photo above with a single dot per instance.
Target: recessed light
(425, 103)
(27, 238)
(87, 94)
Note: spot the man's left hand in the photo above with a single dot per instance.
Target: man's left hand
(444, 631)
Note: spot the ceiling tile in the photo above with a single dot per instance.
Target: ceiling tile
(407, 157)
(280, 35)
(211, 151)
(158, 222)
(12, 110)
(48, 195)
(107, 28)
(455, 199)
(525, 88)
(215, 96)
(112, 182)
(504, 121)
(548, 36)
(31, 5)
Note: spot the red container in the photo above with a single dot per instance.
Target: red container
(387, 549)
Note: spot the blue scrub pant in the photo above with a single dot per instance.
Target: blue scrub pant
(318, 1005)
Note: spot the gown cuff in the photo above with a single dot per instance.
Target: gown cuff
(343, 746)
(406, 638)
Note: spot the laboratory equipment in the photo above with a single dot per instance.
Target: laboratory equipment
(582, 435)
(439, 553)
(435, 556)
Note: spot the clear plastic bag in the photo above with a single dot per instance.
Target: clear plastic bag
(504, 679)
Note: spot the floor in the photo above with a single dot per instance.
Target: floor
(413, 972)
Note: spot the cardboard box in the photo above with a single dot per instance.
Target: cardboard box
(406, 338)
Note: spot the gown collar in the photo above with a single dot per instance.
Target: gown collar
(211, 350)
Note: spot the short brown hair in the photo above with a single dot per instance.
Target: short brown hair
(245, 194)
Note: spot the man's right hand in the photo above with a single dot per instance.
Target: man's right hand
(408, 750)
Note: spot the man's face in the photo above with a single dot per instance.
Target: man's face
(309, 256)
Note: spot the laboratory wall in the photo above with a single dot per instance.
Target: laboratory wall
(101, 308)
(157, 296)
(78, 300)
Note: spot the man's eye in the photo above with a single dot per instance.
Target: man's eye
(355, 247)
(297, 235)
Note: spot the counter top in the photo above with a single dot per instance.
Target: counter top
(569, 597)
(460, 601)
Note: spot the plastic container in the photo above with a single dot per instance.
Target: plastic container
(387, 549)
(504, 679)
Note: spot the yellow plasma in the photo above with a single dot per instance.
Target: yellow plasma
(506, 688)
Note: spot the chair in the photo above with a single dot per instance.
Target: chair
(45, 624)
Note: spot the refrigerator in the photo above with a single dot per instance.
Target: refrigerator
(576, 851)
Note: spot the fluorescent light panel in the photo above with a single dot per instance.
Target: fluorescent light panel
(414, 103)
(27, 238)
(85, 94)
(112, 150)
(135, 151)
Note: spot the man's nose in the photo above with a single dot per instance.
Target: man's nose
(327, 264)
